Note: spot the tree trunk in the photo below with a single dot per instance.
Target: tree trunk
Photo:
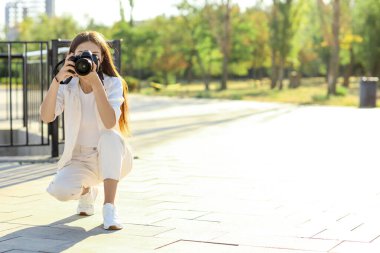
(166, 78)
(225, 47)
(274, 75)
(121, 9)
(205, 75)
(281, 73)
(189, 69)
(132, 5)
(334, 60)
(348, 73)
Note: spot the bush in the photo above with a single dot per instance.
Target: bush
(341, 91)
(155, 79)
(156, 86)
(133, 83)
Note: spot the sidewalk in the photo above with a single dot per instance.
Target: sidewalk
(304, 180)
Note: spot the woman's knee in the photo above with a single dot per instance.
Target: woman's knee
(63, 191)
(109, 135)
(115, 161)
(127, 164)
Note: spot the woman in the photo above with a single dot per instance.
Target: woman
(96, 126)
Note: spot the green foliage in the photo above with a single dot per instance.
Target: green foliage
(367, 25)
(341, 91)
(45, 28)
(132, 82)
(170, 49)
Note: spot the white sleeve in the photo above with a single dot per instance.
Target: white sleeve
(115, 96)
(60, 102)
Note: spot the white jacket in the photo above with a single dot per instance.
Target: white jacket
(68, 100)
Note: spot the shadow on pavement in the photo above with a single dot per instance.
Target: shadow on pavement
(55, 237)
(14, 174)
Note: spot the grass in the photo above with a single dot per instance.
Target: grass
(312, 91)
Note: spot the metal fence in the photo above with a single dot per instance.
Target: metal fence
(24, 74)
(25, 77)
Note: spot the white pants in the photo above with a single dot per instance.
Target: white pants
(90, 166)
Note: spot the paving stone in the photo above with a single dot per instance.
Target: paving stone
(184, 214)
(355, 247)
(199, 246)
(115, 242)
(295, 243)
(6, 226)
(34, 244)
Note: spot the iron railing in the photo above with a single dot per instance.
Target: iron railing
(25, 77)
(24, 74)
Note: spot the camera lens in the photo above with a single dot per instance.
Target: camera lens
(83, 66)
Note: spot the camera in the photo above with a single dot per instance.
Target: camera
(83, 62)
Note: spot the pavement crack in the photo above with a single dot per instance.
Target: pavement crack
(357, 226)
(167, 244)
(341, 218)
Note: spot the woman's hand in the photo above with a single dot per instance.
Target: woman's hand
(92, 78)
(68, 69)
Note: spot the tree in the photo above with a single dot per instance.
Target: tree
(366, 25)
(282, 25)
(167, 58)
(348, 40)
(122, 12)
(226, 44)
(332, 40)
(48, 28)
(131, 5)
(335, 47)
(195, 39)
(249, 42)
(220, 25)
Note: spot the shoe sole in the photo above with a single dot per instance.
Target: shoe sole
(113, 228)
(84, 214)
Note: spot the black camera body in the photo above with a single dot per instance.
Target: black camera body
(83, 62)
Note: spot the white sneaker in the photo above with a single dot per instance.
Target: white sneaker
(111, 219)
(86, 202)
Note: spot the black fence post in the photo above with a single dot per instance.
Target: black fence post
(116, 45)
(54, 124)
(368, 89)
(24, 86)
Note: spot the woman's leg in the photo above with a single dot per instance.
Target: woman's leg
(69, 182)
(111, 153)
(110, 187)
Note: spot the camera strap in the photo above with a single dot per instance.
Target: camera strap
(55, 72)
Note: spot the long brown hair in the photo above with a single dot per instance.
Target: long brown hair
(108, 68)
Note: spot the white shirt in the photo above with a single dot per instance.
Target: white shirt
(68, 101)
(89, 133)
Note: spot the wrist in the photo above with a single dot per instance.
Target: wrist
(56, 79)
(97, 86)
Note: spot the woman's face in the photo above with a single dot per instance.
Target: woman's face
(88, 45)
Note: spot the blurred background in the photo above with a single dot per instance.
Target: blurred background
(298, 51)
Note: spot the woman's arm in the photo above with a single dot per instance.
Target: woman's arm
(49, 109)
(106, 112)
